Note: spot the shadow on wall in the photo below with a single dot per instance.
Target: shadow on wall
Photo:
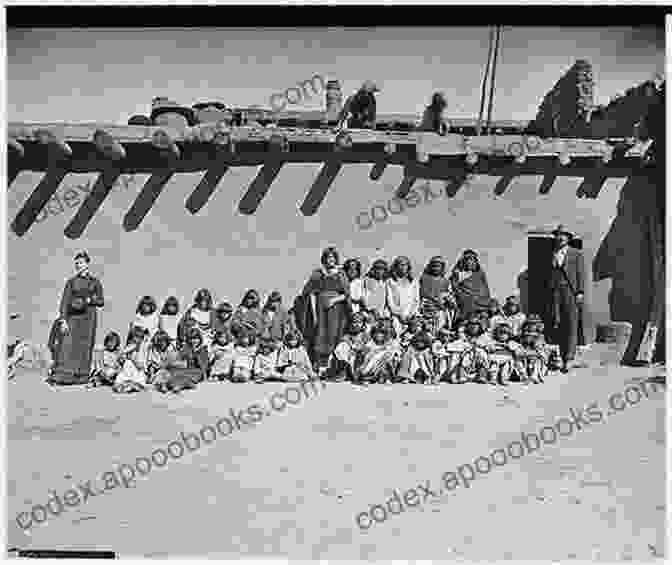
(522, 282)
(631, 255)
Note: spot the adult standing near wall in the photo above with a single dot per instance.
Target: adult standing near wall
(325, 308)
(470, 285)
(77, 323)
(566, 295)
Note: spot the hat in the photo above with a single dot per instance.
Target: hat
(370, 86)
(561, 230)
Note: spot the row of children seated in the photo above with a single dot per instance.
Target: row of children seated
(483, 349)
(496, 346)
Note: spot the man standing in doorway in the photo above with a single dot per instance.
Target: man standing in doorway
(566, 295)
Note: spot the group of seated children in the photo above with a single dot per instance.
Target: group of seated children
(172, 353)
(494, 347)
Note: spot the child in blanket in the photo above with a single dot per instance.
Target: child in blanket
(533, 359)
(342, 362)
(379, 358)
(109, 365)
(467, 360)
(293, 361)
(221, 355)
(132, 377)
(244, 353)
(265, 366)
(417, 363)
(503, 353)
(554, 358)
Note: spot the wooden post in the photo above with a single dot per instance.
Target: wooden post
(92, 202)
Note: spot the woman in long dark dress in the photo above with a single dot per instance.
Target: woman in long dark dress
(78, 319)
(326, 297)
(470, 285)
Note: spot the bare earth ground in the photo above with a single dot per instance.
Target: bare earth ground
(292, 485)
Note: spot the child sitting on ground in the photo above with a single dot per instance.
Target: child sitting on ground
(513, 315)
(412, 327)
(293, 361)
(221, 355)
(188, 367)
(132, 377)
(108, 366)
(159, 352)
(244, 352)
(417, 362)
(502, 354)
(342, 362)
(265, 361)
(471, 364)
(379, 359)
(553, 350)
(533, 358)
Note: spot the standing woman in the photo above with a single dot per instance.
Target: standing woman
(83, 293)
(470, 285)
(327, 297)
(403, 293)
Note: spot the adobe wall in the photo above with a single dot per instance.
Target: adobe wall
(174, 252)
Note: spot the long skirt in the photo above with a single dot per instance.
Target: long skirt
(72, 361)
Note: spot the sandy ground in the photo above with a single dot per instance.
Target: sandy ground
(292, 485)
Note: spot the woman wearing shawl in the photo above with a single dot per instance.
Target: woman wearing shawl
(437, 301)
(403, 293)
(199, 315)
(326, 308)
(470, 285)
(82, 295)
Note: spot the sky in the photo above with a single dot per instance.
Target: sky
(107, 75)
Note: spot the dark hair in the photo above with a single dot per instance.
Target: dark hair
(379, 263)
(461, 265)
(83, 255)
(394, 269)
(159, 336)
(329, 251)
(136, 332)
(293, 334)
(438, 101)
(203, 295)
(379, 329)
(436, 259)
(353, 261)
(224, 307)
(170, 300)
(112, 336)
(193, 333)
(146, 300)
(248, 293)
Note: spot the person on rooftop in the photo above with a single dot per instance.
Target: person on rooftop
(360, 109)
